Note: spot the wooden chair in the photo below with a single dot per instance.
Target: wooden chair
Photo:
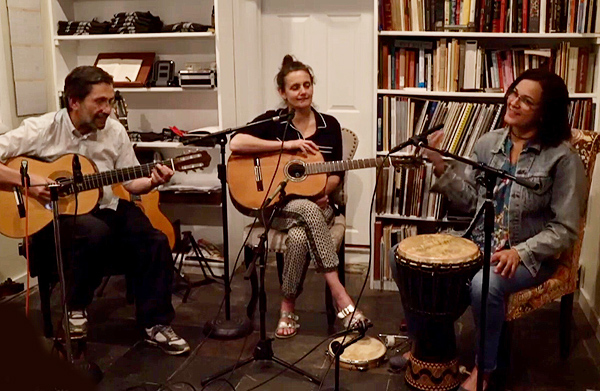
(565, 280)
(277, 239)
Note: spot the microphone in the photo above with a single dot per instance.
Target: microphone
(284, 117)
(279, 189)
(423, 136)
(417, 138)
(25, 182)
(77, 175)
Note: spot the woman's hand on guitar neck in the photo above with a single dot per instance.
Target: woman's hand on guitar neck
(305, 146)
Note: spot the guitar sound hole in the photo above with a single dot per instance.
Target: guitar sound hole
(296, 170)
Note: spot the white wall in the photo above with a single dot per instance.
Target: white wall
(11, 264)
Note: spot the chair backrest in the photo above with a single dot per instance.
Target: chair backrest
(349, 146)
(587, 145)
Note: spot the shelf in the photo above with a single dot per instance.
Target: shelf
(388, 216)
(453, 34)
(147, 36)
(484, 95)
(165, 89)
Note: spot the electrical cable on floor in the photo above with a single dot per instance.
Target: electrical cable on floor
(334, 335)
(221, 380)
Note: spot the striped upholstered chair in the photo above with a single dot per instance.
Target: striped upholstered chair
(565, 280)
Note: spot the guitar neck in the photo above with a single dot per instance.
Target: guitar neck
(107, 178)
(344, 165)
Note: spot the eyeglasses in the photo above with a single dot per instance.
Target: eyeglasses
(526, 102)
(111, 103)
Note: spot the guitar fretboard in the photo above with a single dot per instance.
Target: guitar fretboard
(107, 178)
(344, 165)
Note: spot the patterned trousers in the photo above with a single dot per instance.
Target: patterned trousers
(308, 239)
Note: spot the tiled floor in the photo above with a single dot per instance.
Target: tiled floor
(114, 343)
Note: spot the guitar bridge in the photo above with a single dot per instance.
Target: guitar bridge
(258, 175)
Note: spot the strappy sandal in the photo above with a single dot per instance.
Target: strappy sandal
(292, 323)
(358, 320)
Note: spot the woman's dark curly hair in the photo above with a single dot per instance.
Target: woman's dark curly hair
(289, 64)
(553, 126)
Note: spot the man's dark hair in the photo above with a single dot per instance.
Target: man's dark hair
(553, 126)
(80, 81)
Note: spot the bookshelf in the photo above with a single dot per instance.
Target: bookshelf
(428, 75)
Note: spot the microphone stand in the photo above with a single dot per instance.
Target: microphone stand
(264, 349)
(228, 328)
(339, 347)
(490, 178)
(91, 369)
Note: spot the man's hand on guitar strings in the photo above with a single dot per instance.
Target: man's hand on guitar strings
(37, 188)
(160, 175)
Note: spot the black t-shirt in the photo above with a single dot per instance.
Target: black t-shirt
(328, 136)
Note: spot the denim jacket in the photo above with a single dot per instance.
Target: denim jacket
(543, 222)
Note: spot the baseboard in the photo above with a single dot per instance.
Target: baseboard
(594, 321)
(23, 278)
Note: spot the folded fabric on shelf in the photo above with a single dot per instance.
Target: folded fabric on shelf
(82, 27)
(185, 27)
(134, 23)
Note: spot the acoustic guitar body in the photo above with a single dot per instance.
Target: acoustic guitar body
(40, 213)
(149, 204)
(249, 176)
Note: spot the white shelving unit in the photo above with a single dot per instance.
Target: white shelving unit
(156, 108)
(489, 40)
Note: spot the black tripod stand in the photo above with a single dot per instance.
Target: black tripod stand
(227, 328)
(263, 349)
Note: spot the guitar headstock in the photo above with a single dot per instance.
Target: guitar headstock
(121, 109)
(197, 160)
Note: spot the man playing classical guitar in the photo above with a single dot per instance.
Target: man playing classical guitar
(90, 241)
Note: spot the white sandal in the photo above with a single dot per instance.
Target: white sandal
(292, 323)
(358, 320)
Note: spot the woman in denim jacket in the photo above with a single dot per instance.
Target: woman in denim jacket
(532, 227)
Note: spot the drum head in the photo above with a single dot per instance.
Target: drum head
(440, 249)
(363, 354)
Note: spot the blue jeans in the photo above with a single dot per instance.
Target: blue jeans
(499, 289)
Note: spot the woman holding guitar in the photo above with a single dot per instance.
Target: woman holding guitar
(306, 220)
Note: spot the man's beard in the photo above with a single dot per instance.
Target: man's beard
(91, 125)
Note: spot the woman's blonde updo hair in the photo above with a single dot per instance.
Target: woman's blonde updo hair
(289, 64)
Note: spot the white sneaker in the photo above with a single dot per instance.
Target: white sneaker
(78, 324)
(165, 338)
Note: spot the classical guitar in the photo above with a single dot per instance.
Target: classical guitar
(149, 204)
(248, 176)
(12, 223)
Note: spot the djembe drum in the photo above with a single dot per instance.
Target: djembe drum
(434, 272)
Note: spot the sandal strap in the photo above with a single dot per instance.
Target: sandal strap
(288, 325)
(289, 315)
(346, 311)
